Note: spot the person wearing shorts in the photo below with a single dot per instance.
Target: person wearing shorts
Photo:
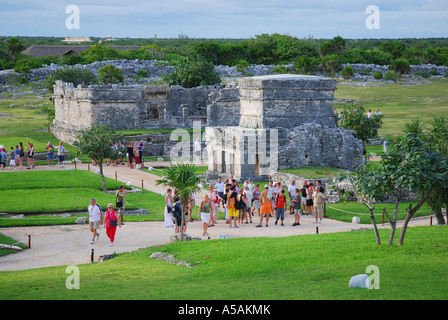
(61, 152)
(95, 219)
(119, 202)
(204, 214)
(266, 207)
(50, 153)
(296, 203)
(280, 203)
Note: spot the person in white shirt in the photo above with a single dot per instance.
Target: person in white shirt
(61, 153)
(95, 219)
(292, 193)
(219, 186)
(369, 114)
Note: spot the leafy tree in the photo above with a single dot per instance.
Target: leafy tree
(331, 63)
(23, 68)
(411, 165)
(182, 179)
(96, 143)
(353, 117)
(400, 65)
(307, 65)
(394, 47)
(14, 47)
(194, 71)
(335, 46)
(109, 74)
(438, 137)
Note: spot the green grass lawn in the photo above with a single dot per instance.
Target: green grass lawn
(314, 172)
(39, 192)
(306, 267)
(346, 211)
(400, 103)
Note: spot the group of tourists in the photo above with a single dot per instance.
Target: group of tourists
(132, 151)
(241, 203)
(17, 156)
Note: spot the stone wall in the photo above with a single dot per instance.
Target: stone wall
(126, 107)
(223, 107)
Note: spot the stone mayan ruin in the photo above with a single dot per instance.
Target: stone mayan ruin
(266, 123)
(285, 121)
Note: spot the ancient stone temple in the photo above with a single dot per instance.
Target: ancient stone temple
(285, 121)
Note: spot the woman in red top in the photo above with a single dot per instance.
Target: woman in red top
(110, 222)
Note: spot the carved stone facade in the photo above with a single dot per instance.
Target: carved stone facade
(286, 121)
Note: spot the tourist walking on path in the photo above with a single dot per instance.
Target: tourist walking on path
(119, 202)
(111, 222)
(204, 214)
(21, 154)
(95, 219)
(50, 153)
(61, 153)
(168, 207)
(12, 159)
(266, 206)
(296, 204)
(30, 152)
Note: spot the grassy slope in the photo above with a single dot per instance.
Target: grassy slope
(400, 103)
(291, 268)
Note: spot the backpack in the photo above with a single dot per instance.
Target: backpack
(304, 192)
(177, 210)
(238, 203)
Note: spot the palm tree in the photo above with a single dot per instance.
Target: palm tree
(182, 178)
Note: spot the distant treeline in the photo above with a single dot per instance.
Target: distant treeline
(308, 55)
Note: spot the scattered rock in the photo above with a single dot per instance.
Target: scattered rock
(81, 220)
(359, 281)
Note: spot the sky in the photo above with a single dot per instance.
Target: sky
(225, 18)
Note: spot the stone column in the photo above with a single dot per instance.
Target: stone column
(185, 109)
(162, 113)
